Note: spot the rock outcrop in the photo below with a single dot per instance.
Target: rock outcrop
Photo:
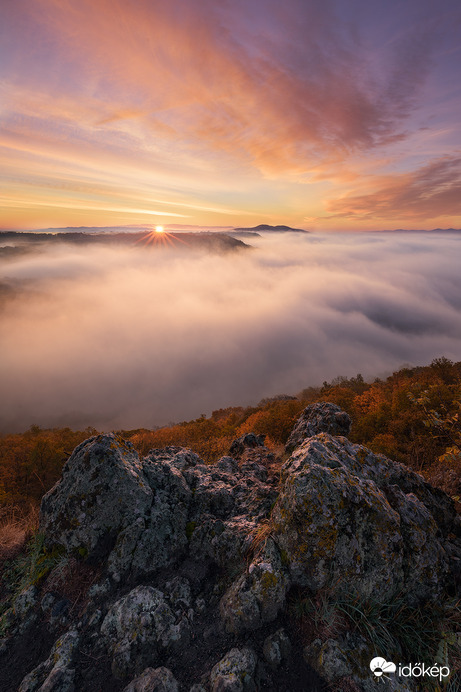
(317, 418)
(198, 568)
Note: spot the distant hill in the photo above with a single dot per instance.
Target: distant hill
(272, 229)
(416, 230)
(214, 242)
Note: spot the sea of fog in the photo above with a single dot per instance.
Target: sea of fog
(123, 337)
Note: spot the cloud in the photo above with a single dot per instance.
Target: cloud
(431, 192)
(279, 90)
(128, 337)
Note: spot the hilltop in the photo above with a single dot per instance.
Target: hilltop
(252, 573)
(264, 227)
(283, 558)
(212, 242)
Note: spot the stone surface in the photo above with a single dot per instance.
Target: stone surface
(316, 418)
(258, 595)
(337, 659)
(347, 516)
(276, 648)
(235, 672)
(187, 560)
(153, 680)
(144, 515)
(102, 491)
(57, 673)
(247, 441)
(137, 627)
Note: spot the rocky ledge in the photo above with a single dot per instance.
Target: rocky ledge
(171, 575)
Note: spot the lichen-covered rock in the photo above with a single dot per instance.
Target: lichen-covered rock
(137, 627)
(169, 533)
(101, 492)
(143, 515)
(57, 673)
(158, 537)
(234, 672)
(276, 648)
(348, 658)
(153, 680)
(258, 595)
(24, 613)
(317, 418)
(26, 601)
(247, 441)
(340, 519)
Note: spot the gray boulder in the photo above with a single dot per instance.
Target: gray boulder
(276, 648)
(343, 517)
(247, 441)
(102, 491)
(57, 673)
(143, 515)
(316, 418)
(235, 672)
(137, 627)
(258, 595)
(153, 680)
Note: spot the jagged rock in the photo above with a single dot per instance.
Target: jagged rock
(153, 680)
(234, 672)
(56, 674)
(258, 595)
(340, 519)
(137, 627)
(337, 659)
(142, 515)
(179, 592)
(276, 648)
(247, 441)
(102, 491)
(25, 602)
(317, 418)
(345, 519)
(159, 536)
(24, 610)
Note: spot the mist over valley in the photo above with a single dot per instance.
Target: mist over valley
(123, 335)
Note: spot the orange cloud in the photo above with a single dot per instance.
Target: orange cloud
(431, 192)
(209, 105)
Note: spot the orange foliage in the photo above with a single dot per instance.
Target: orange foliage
(390, 417)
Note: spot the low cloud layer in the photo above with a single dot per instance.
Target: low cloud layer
(128, 337)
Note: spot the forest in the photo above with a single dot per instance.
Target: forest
(413, 417)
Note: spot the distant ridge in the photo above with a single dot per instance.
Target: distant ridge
(420, 230)
(273, 229)
(216, 242)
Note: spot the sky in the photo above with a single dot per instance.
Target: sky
(332, 115)
(131, 336)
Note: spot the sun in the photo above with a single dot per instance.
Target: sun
(159, 229)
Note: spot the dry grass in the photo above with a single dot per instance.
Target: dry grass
(72, 579)
(16, 527)
(259, 537)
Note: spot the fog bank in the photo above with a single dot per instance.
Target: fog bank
(128, 337)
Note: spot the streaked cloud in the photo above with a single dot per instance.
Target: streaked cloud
(433, 191)
(221, 106)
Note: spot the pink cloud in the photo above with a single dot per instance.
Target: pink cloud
(432, 191)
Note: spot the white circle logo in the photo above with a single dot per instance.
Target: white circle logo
(379, 666)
